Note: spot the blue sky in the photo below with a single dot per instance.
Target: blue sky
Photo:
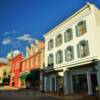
(23, 20)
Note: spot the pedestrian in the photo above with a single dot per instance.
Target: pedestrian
(61, 90)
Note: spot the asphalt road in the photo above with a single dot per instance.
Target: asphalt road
(35, 95)
(24, 95)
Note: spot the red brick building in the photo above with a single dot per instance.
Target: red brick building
(15, 71)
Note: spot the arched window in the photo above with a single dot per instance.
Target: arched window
(50, 44)
(83, 49)
(68, 35)
(59, 40)
(69, 53)
(81, 28)
(59, 57)
(50, 60)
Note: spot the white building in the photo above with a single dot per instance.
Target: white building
(72, 52)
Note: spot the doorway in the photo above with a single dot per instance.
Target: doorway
(53, 84)
(94, 83)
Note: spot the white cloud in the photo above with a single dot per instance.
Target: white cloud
(26, 37)
(4, 60)
(6, 33)
(6, 41)
(13, 53)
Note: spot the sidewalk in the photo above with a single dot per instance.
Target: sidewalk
(73, 97)
(8, 88)
(69, 97)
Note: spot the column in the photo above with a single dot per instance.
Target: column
(89, 83)
(45, 89)
(67, 82)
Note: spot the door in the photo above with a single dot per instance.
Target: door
(53, 84)
(93, 82)
(80, 83)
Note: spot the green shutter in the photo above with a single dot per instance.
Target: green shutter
(72, 52)
(78, 50)
(48, 46)
(48, 60)
(85, 27)
(66, 54)
(65, 36)
(52, 59)
(56, 41)
(77, 32)
(71, 34)
(60, 39)
(87, 47)
(52, 44)
(56, 58)
(61, 56)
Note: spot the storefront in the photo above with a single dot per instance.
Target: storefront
(81, 80)
(52, 80)
(23, 78)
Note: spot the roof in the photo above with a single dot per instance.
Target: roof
(88, 5)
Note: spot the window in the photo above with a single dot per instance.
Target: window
(18, 64)
(13, 66)
(59, 40)
(69, 53)
(50, 44)
(23, 65)
(83, 49)
(37, 59)
(4, 73)
(81, 28)
(28, 63)
(13, 78)
(68, 35)
(59, 57)
(50, 60)
(31, 62)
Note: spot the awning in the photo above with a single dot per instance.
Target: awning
(46, 73)
(24, 75)
(34, 73)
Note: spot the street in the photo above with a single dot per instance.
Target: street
(36, 95)
(11, 93)
(25, 95)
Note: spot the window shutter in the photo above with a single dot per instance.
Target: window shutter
(60, 39)
(71, 34)
(61, 56)
(66, 54)
(87, 47)
(57, 58)
(48, 46)
(48, 59)
(77, 31)
(56, 41)
(72, 52)
(65, 36)
(85, 27)
(52, 44)
(78, 50)
(52, 59)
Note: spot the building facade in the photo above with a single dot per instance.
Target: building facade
(15, 71)
(72, 53)
(34, 60)
(4, 73)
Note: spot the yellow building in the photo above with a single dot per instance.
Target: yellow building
(4, 72)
